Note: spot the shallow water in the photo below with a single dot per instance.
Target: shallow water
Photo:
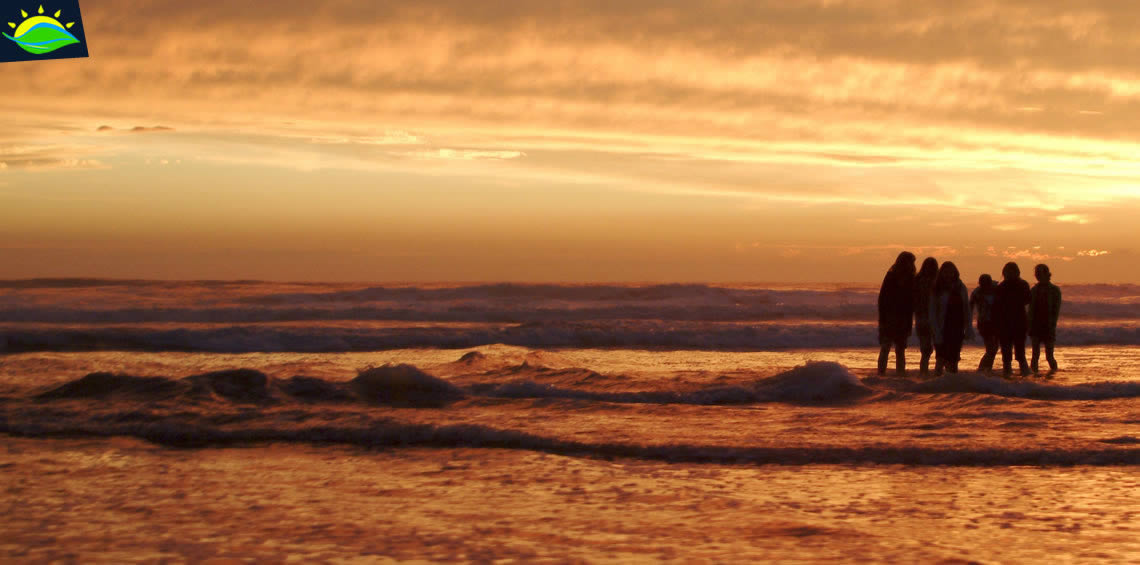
(117, 500)
(268, 421)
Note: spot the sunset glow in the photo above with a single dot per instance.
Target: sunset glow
(591, 141)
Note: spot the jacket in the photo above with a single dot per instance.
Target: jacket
(1009, 307)
(983, 299)
(896, 307)
(938, 306)
(923, 289)
(1046, 320)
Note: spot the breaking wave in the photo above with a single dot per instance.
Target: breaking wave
(246, 406)
(625, 334)
(251, 316)
(386, 433)
(407, 385)
(983, 384)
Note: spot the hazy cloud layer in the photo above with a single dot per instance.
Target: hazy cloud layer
(924, 121)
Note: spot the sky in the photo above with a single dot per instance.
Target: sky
(640, 141)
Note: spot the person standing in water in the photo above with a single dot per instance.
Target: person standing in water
(1009, 315)
(923, 290)
(983, 300)
(949, 318)
(896, 310)
(1044, 310)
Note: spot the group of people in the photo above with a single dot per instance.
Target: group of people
(934, 303)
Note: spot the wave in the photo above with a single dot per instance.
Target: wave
(53, 301)
(406, 385)
(392, 385)
(984, 384)
(331, 339)
(517, 312)
(246, 406)
(386, 433)
(816, 382)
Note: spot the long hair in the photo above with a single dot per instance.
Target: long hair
(948, 277)
(929, 268)
(1011, 271)
(904, 264)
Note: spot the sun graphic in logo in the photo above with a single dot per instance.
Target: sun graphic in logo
(41, 34)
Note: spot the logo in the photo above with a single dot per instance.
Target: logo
(53, 30)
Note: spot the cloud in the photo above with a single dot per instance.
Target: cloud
(136, 129)
(795, 250)
(1073, 219)
(631, 63)
(42, 157)
(1033, 254)
(1011, 227)
(883, 106)
(468, 154)
(1092, 253)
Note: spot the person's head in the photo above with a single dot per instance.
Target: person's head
(905, 263)
(929, 267)
(1042, 273)
(947, 275)
(985, 281)
(1011, 271)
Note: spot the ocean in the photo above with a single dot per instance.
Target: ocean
(237, 421)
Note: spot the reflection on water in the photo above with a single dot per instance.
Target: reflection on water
(115, 500)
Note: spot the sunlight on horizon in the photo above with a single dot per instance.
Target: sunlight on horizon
(537, 145)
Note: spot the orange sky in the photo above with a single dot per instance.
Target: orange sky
(580, 141)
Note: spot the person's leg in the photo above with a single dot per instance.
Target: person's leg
(926, 346)
(1036, 341)
(1019, 351)
(900, 357)
(990, 340)
(943, 356)
(1006, 353)
(953, 354)
(1049, 353)
(884, 351)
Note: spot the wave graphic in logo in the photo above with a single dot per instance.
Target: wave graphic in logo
(41, 34)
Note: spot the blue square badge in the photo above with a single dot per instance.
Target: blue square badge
(41, 29)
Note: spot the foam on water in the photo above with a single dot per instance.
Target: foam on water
(401, 405)
(386, 433)
(87, 315)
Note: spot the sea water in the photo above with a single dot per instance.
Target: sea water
(204, 420)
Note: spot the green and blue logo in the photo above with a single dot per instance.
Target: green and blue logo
(52, 33)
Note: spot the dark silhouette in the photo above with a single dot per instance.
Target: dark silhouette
(949, 318)
(896, 310)
(923, 290)
(1044, 310)
(983, 300)
(1010, 318)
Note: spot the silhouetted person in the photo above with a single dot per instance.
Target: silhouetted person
(923, 290)
(949, 318)
(1009, 316)
(983, 300)
(896, 309)
(1044, 310)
